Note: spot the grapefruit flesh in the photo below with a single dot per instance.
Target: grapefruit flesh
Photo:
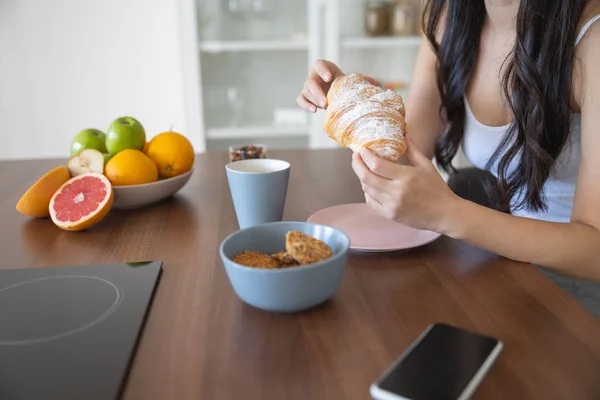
(34, 203)
(81, 202)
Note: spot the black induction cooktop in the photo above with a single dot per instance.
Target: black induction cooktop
(71, 332)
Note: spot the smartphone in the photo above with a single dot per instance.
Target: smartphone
(443, 363)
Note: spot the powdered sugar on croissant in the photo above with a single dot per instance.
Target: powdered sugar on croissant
(360, 114)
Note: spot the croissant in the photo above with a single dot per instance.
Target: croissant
(360, 114)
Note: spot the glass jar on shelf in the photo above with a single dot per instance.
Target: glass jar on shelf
(377, 18)
(403, 18)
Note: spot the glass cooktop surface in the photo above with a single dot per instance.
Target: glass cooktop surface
(71, 332)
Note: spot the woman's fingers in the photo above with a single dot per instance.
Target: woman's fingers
(367, 177)
(325, 70)
(316, 86)
(372, 80)
(375, 204)
(379, 166)
(375, 194)
(313, 90)
(305, 104)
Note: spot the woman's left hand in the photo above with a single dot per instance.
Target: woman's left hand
(415, 194)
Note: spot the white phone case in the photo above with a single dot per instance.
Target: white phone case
(379, 394)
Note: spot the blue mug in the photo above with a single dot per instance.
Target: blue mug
(258, 189)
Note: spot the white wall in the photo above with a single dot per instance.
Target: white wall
(70, 64)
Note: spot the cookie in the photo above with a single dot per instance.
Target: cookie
(284, 259)
(306, 249)
(254, 259)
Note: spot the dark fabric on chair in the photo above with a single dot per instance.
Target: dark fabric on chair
(476, 185)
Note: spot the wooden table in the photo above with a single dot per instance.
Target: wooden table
(202, 342)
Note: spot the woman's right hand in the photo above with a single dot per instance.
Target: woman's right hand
(316, 86)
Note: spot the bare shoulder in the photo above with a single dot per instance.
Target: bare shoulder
(587, 55)
(591, 10)
(588, 49)
(590, 38)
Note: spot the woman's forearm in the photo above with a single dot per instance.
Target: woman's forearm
(569, 248)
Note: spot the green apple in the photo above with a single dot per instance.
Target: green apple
(88, 139)
(107, 157)
(125, 133)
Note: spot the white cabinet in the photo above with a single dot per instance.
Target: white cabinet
(245, 62)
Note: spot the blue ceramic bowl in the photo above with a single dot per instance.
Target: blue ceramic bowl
(284, 289)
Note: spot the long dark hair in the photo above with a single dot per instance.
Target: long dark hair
(536, 84)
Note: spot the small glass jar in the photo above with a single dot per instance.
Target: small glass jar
(247, 152)
(377, 18)
(403, 18)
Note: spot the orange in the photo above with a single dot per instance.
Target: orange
(172, 152)
(81, 202)
(35, 201)
(130, 167)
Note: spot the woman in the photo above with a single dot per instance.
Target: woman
(516, 85)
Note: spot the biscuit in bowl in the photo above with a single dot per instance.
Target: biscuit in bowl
(300, 249)
(306, 249)
(284, 259)
(256, 259)
(291, 286)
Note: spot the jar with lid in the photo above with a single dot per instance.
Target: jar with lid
(403, 18)
(377, 18)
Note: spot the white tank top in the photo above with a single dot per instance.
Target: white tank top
(481, 141)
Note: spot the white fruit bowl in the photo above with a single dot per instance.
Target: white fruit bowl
(136, 196)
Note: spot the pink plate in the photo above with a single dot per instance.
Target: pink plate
(368, 231)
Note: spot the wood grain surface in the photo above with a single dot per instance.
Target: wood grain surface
(202, 342)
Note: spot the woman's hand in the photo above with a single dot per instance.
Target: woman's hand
(415, 194)
(316, 86)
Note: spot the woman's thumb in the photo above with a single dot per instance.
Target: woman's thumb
(372, 80)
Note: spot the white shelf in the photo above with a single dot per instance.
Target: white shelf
(217, 46)
(381, 42)
(252, 131)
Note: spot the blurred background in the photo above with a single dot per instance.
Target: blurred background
(221, 72)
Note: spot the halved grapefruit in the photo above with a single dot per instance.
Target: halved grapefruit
(81, 202)
(35, 201)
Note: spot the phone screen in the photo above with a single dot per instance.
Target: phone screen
(440, 365)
